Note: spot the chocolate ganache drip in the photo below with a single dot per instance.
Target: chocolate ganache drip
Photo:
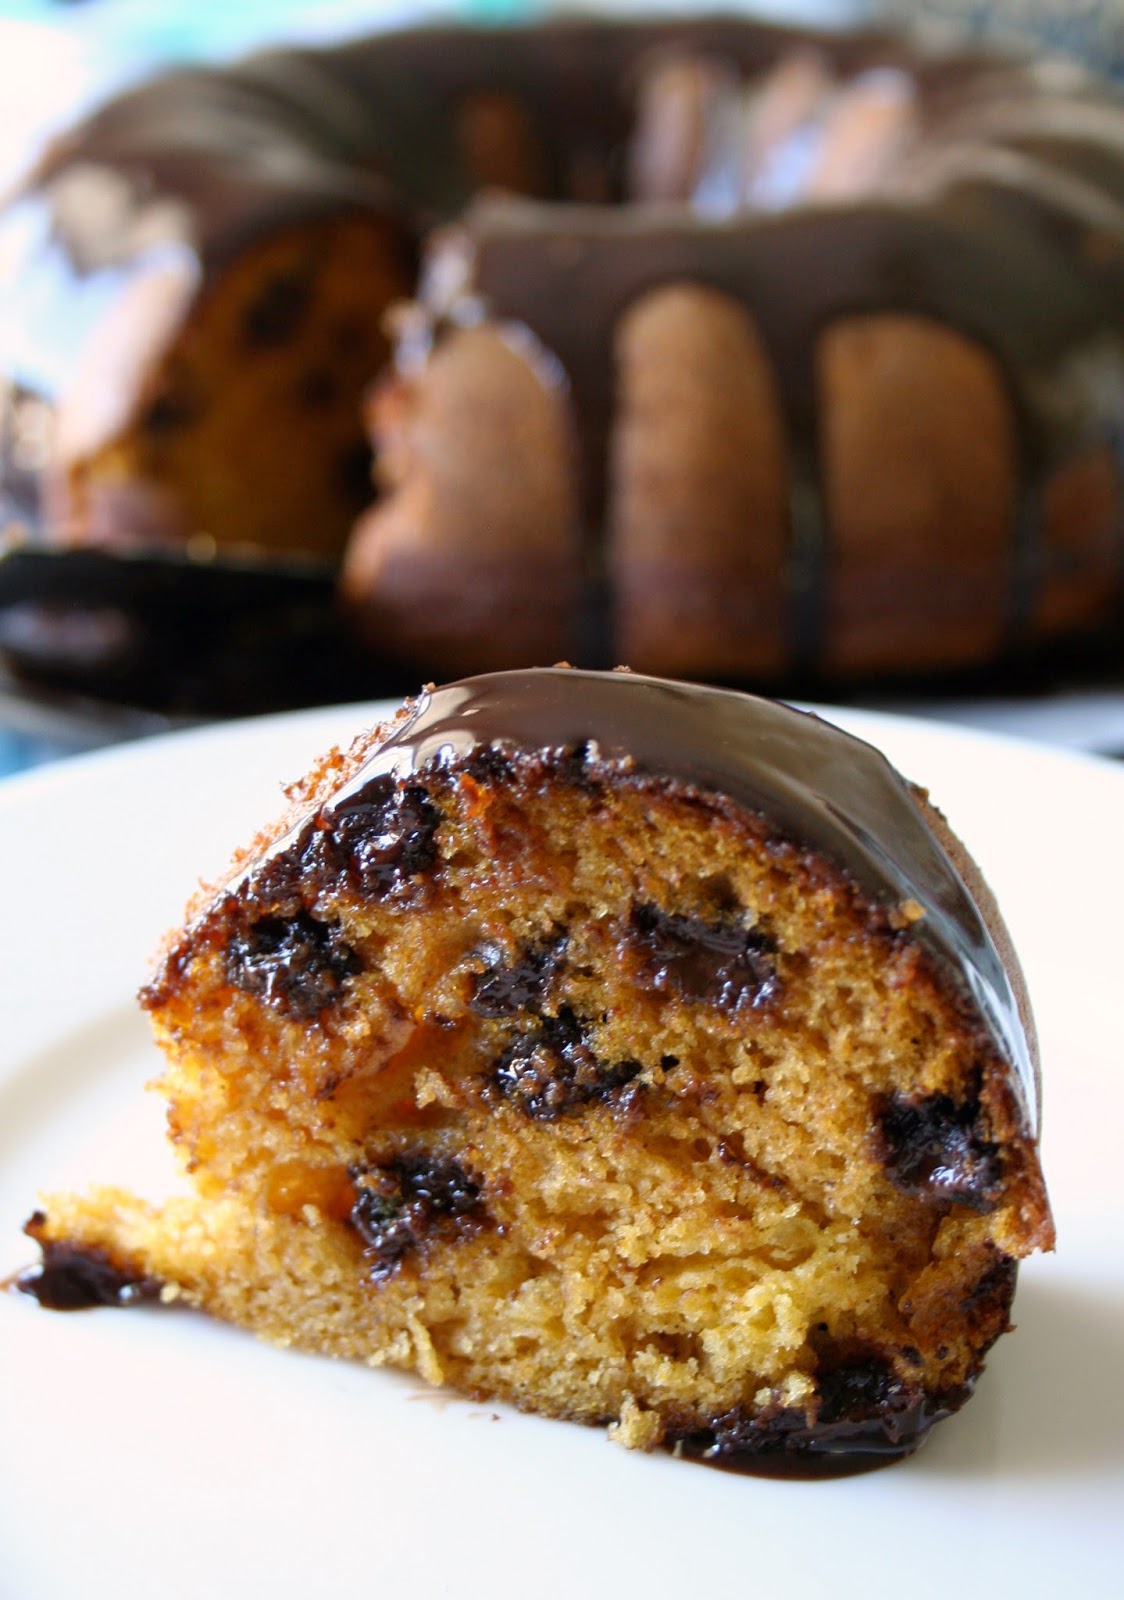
(814, 782)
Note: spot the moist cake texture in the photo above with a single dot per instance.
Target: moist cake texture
(632, 1052)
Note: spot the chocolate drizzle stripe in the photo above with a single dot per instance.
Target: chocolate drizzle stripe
(1027, 566)
(813, 781)
(1026, 539)
(536, 263)
(287, 133)
(1004, 220)
(1117, 445)
(808, 556)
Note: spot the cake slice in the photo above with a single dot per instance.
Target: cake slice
(634, 1052)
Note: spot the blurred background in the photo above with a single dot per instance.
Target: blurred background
(57, 56)
(57, 59)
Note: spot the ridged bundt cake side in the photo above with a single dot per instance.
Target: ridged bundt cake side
(832, 322)
(478, 559)
(899, 454)
(630, 1052)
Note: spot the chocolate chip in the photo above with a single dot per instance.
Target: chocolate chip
(572, 766)
(373, 844)
(318, 388)
(720, 963)
(296, 964)
(402, 1203)
(551, 1071)
(350, 334)
(996, 1288)
(169, 412)
(857, 1389)
(986, 1306)
(518, 989)
(438, 1184)
(489, 764)
(377, 839)
(783, 1441)
(865, 1413)
(278, 309)
(354, 472)
(935, 1149)
(74, 1277)
(738, 1432)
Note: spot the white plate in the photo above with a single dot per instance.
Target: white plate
(146, 1454)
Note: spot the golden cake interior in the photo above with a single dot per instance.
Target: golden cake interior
(589, 1092)
(247, 428)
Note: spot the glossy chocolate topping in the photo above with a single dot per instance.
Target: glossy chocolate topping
(203, 159)
(1002, 218)
(816, 784)
(569, 273)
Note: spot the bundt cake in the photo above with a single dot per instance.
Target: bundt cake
(738, 351)
(634, 1052)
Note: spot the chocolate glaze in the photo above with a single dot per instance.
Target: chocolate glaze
(785, 1444)
(207, 158)
(815, 783)
(569, 273)
(1005, 221)
(201, 161)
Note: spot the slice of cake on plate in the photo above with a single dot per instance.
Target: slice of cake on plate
(634, 1052)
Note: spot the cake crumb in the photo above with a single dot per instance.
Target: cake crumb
(636, 1428)
(426, 1360)
(906, 913)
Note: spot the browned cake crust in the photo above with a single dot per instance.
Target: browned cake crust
(552, 1073)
